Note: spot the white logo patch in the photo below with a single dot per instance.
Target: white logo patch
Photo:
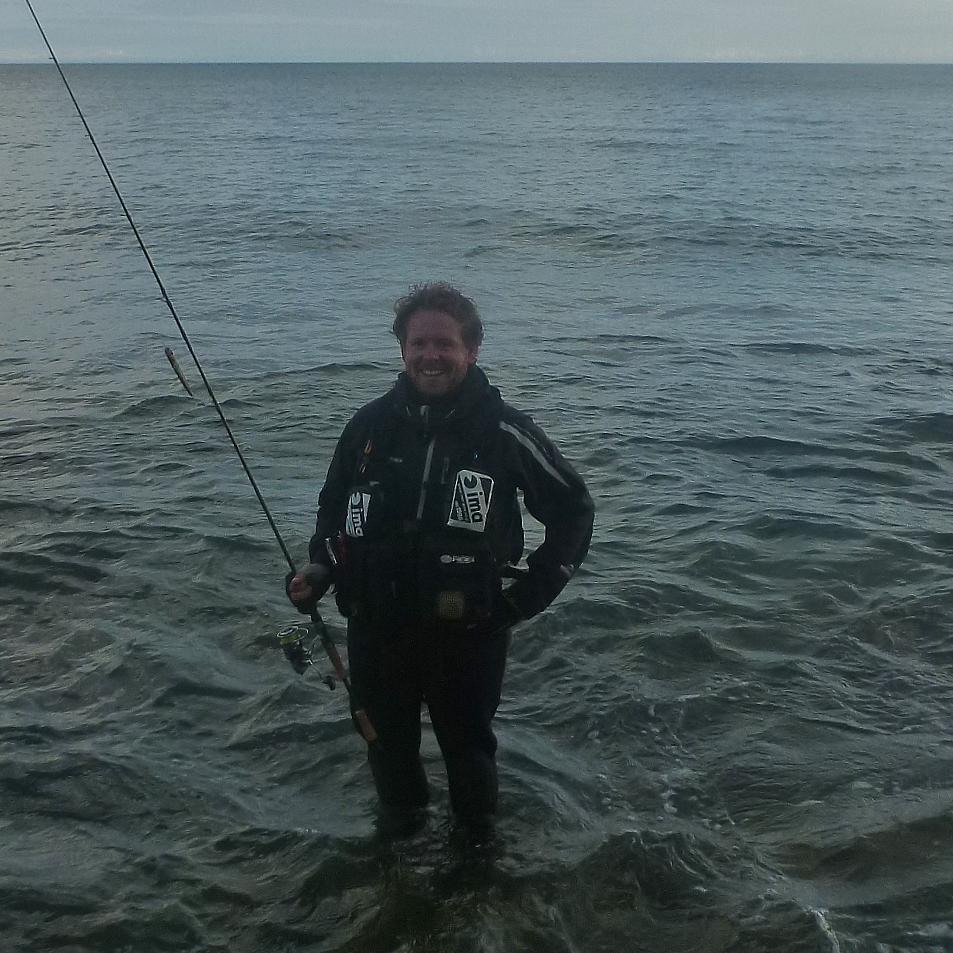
(357, 507)
(472, 493)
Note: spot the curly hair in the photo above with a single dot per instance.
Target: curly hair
(443, 297)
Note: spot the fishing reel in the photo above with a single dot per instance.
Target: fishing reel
(297, 640)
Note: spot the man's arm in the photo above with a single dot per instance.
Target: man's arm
(310, 583)
(555, 495)
(332, 501)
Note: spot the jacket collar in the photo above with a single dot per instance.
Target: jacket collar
(474, 395)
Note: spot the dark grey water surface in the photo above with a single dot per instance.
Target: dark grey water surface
(723, 290)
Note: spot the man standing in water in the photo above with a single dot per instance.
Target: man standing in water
(417, 521)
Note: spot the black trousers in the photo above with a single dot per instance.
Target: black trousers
(460, 678)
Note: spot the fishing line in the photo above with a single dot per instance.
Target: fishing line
(299, 656)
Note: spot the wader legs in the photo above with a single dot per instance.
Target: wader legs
(384, 681)
(463, 694)
(460, 678)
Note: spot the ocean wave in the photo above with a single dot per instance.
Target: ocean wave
(806, 525)
(885, 854)
(603, 339)
(937, 426)
(36, 572)
(808, 347)
(693, 646)
(583, 236)
(482, 249)
(657, 235)
(856, 475)
(152, 406)
(755, 446)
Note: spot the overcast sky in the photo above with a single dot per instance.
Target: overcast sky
(910, 31)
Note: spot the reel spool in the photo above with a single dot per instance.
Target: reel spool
(297, 640)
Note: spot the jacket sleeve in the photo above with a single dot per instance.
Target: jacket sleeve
(555, 495)
(332, 501)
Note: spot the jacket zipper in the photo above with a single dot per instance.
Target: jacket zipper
(426, 476)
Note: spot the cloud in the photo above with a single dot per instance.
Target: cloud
(322, 30)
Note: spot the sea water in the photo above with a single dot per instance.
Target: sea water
(724, 291)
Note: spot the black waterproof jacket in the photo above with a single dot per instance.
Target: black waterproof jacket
(419, 514)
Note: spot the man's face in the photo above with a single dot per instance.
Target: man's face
(436, 357)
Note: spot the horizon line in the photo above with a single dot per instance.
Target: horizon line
(39, 61)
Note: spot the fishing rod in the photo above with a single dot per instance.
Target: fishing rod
(290, 639)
